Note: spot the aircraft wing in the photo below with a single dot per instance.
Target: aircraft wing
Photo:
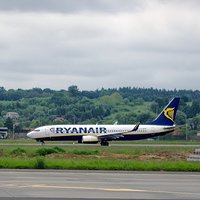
(113, 136)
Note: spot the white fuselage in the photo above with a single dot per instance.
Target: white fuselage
(73, 131)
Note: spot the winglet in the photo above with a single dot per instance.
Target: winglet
(136, 127)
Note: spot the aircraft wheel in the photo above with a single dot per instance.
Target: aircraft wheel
(104, 143)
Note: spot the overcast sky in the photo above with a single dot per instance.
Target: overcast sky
(100, 43)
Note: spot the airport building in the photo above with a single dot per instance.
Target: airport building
(3, 132)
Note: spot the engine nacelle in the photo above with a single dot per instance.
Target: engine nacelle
(89, 139)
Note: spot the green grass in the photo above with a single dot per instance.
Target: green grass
(84, 152)
(17, 163)
(31, 151)
(18, 152)
(39, 163)
(45, 151)
(98, 164)
(142, 158)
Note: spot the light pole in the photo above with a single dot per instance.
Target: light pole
(186, 135)
(13, 131)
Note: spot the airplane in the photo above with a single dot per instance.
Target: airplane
(161, 125)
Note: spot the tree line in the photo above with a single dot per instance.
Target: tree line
(37, 107)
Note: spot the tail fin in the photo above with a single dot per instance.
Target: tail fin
(168, 115)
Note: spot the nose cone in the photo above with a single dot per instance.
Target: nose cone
(30, 134)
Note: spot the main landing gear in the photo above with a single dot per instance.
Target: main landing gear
(41, 141)
(104, 143)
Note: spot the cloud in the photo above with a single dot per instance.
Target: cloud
(70, 6)
(101, 44)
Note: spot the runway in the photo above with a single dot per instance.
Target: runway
(111, 144)
(68, 184)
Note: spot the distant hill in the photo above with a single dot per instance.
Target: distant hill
(128, 105)
(148, 94)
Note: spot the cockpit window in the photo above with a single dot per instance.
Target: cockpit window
(37, 130)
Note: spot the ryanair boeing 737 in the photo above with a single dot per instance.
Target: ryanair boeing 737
(163, 124)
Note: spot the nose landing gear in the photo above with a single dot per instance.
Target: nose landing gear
(42, 141)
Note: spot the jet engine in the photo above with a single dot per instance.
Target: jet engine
(89, 139)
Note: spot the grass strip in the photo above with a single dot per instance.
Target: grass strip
(160, 141)
(17, 163)
(98, 164)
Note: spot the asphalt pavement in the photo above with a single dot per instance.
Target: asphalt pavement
(76, 184)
